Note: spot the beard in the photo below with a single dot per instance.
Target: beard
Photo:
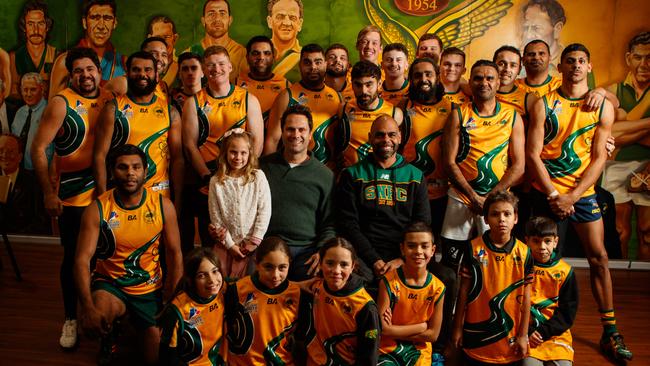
(421, 96)
(140, 91)
(336, 74)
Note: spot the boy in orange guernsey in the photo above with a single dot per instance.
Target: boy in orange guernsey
(554, 298)
(493, 308)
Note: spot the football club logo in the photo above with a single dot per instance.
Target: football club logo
(207, 108)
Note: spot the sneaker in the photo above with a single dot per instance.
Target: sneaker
(613, 347)
(68, 334)
(107, 350)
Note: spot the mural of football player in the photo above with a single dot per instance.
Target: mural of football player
(5, 74)
(35, 55)
(217, 20)
(99, 20)
(544, 19)
(285, 21)
(164, 27)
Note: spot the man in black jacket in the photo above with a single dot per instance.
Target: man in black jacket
(378, 197)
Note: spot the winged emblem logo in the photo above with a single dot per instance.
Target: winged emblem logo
(456, 26)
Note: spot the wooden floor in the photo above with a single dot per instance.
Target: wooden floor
(31, 314)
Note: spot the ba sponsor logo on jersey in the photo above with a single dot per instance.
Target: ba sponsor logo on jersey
(127, 111)
(131, 217)
(113, 220)
(80, 109)
(260, 87)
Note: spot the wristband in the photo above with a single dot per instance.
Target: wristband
(553, 194)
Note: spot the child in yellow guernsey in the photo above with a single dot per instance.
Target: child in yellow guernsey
(554, 298)
(410, 303)
(262, 309)
(192, 324)
(493, 308)
(345, 325)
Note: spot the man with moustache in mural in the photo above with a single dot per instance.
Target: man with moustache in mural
(35, 55)
(99, 21)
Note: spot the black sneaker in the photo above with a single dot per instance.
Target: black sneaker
(613, 347)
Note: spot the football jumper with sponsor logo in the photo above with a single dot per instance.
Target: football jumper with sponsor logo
(394, 97)
(127, 250)
(568, 135)
(265, 90)
(493, 313)
(146, 125)
(515, 98)
(409, 304)
(260, 321)
(324, 105)
(193, 327)
(550, 84)
(73, 146)
(554, 304)
(355, 126)
(422, 135)
(483, 147)
(345, 326)
(217, 115)
(457, 97)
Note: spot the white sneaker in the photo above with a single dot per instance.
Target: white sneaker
(68, 334)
